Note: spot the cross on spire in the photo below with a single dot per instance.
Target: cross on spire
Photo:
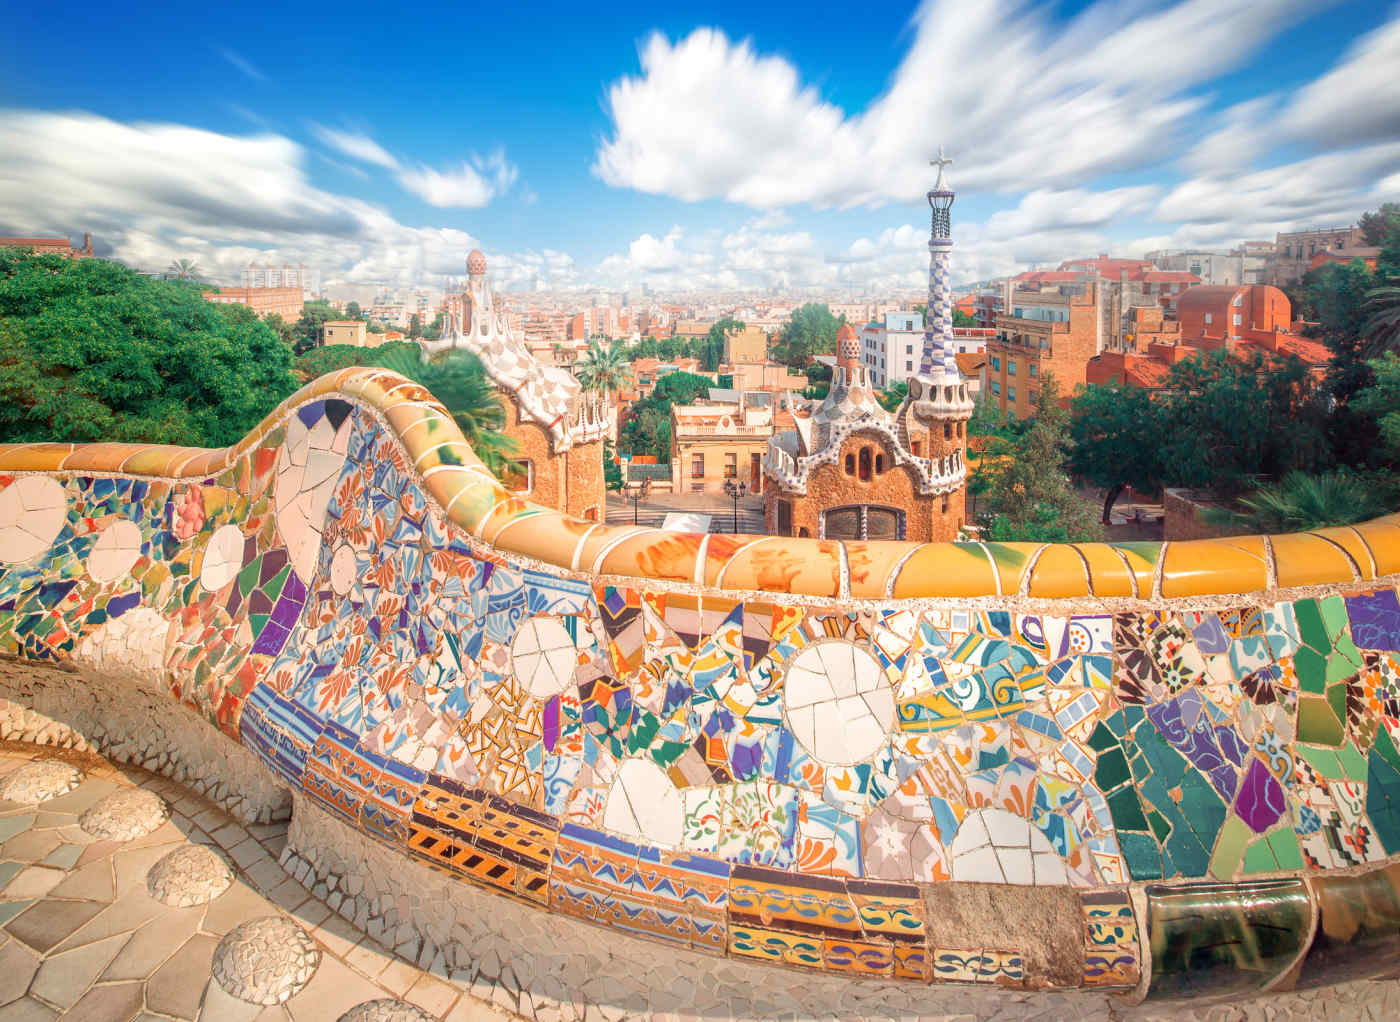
(940, 163)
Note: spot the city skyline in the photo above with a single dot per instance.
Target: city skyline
(733, 150)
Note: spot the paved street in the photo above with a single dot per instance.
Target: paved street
(719, 507)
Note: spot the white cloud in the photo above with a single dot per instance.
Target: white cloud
(356, 145)
(1058, 106)
(240, 62)
(1357, 101)
(471, 185)
(150, 193)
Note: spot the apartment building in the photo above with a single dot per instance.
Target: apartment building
(1294, 251)
(712, 444)
(1047, 328)
(264, 301)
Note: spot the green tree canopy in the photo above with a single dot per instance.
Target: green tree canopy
(648, 427)
(1380, 225)
(92, 351)
(306, 334)
(714, 342)
(1030, 497)
(963, 319)
(810, 331)
(1381, 402)
(352, 310)
(602, 368)
(1116, 432)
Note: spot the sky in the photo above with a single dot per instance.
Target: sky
(723, 145)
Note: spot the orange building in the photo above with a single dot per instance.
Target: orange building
(1053, 328)
(51, 246)
(264, 301)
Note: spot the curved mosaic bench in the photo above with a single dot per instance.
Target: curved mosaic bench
(1162, 768)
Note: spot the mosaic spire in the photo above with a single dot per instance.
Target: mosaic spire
(938, 357)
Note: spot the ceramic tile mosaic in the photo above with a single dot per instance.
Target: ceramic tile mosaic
(773, 777)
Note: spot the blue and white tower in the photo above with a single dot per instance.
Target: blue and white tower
(938, 360)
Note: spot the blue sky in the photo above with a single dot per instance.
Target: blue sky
(723, 145)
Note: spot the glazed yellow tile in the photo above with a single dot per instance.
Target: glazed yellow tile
(206, 464)
(872, 564)
(1109, 575)
(1012, 561)
(1304, 559)
(104, 457)
(1350, 540)
(947, 569)
(1382, 538)
(43, 457)
(811, 567)
(1059, 571)
(655, 554)
(1207, 567)
(1142, 558)
(157, 461)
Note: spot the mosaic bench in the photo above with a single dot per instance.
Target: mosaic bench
(1170, 769)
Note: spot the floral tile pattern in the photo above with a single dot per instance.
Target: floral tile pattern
(771, 779)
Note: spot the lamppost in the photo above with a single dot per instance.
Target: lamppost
(638, 492)
(735, 491)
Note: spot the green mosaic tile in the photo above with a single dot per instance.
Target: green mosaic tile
(1229, 848)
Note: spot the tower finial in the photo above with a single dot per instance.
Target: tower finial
(940, 163)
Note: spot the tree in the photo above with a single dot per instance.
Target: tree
(1030, 497)
(285, 330)
(184, 269)
(415, 326)
(1378, 226)
(714, 342)
(459, 381)
(433, 331)
(963, 319)
(1232, 421)
(306, 334)
(1381, 402)
(811, 330)
(612, 471)
(329, 358)
(1116, 431)
(375, 327)
(603, 369)
(92, 351)
(648, 428)
(893, 396)
(352, 309)
(1382, 328)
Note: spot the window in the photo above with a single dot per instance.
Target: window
(784, 518)
(879, 464)
(1030, 396)
(1208, 318)
(865, 464)
(850, 464)
(1238, 300)
(908, 349)
(908, 367)
(945, 504)
(697, 466)
(1011, 393)
(947, 431)
(996, 363)
(1033, 368)
(1237, 319)
(522, 481)
(916, 447)
(996, 387)
(1011, 367)
(731, 466)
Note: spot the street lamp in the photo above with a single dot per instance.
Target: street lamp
(638, 492)
(735, 491)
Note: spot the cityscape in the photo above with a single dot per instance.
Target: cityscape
(747, 521)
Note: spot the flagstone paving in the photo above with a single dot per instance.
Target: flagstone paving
(82, 937)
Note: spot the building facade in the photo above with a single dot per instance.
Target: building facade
(713, 444)
(747, 345)
(349, 331)
(1052, 328)
(558, 429)
(306, 280)
(52, 246)
(1294, 251)
(850, 470)
(264, 301)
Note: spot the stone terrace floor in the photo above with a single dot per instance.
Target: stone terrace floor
(81, 937)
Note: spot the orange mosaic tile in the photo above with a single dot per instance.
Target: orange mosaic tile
(811, 567)
(33, 457)
(656, 554)
(548, 536)
(873, 564)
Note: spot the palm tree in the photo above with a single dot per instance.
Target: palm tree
(459, 381)
(1299, 502)
(603, 369)
(184, 269)
(1383, 328)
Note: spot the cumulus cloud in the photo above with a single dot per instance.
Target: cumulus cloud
(1058, 106)
(153, 192)
(471, 185)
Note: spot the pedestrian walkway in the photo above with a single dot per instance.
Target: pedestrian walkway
(128, 897)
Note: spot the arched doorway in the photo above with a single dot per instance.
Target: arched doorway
(863, 521)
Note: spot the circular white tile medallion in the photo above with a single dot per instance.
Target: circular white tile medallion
(32, 512)
(114, 553)
(544, 657)
(266, 960)
(39, 781)
(223, 558)
(838, 703)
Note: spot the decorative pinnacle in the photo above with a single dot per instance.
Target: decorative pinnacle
(940, 163)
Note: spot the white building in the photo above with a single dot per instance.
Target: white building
(257, 275)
